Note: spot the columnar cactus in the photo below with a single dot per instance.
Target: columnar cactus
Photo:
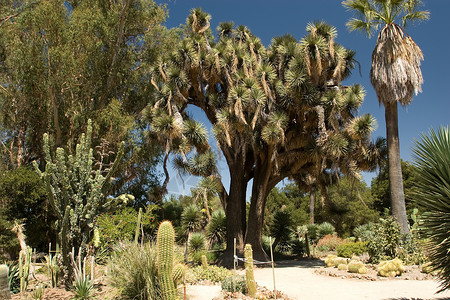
(165, 242)
(4, 283)
(249, 275)
(77, 188)
(24, 268)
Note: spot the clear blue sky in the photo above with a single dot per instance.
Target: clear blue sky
(267, 19)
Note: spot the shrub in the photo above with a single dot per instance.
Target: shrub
(212, 273)
(235, 284)
(329, 243)
(197, 242)
(216, 231)
(432, 159)
(325, 229)
(312, 231)
(132, 270)
(351, 248)
(386, 239)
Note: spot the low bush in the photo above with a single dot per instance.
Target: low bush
(235, 284)
(212, 273)
(329, 243)
(351, 248)
(325, 229)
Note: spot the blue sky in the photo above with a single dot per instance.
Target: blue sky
(267, 19)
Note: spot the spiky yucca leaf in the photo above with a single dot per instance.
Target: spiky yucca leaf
(217, 228)
(432, 158)
(190, 218)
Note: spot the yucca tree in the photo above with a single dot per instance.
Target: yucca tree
(277, 112)
(431, 156)
(395, 73)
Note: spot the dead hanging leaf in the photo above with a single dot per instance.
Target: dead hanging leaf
(238, 110)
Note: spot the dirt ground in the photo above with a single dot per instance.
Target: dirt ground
(311, 280)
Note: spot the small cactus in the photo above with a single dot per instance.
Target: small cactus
(334, 261)
(391, 268)
(4, 283)
(178, 273)
(356, 266)
(342, 267)
(249, 275)
(204, 262)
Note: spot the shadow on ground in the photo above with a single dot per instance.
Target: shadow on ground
(299, 263)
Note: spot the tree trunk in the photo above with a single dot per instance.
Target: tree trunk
(255, 226)
(235, 212)
(312, 201)
(395, 167)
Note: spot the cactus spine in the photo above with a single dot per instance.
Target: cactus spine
(4, 283)
(249, 275)
(165, 241)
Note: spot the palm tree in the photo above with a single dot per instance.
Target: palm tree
(395, 74)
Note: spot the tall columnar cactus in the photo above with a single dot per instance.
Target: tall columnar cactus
(24, 268)
(4, 283)
(77, 187)
(249, 275)
(165, 242)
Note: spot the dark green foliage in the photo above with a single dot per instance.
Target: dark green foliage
(191, 217)
(348, 204)
(380, 187)
(351, 248)
(235, 284)
(281, 227)
(25, 198)
(312, 232)
(364, 232)
(14, 278)
(8, 240)
(432, 159)
(172, 210)
(216, 231)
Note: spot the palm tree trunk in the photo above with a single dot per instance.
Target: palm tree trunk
(395, 167)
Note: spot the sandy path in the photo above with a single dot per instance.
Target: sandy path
(299, 281)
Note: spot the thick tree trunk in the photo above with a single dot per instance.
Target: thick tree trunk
(235, 212)
(395, 167)
(255, 226)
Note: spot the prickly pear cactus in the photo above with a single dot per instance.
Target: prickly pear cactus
(249, 275)
(4, 283)
(165, 242)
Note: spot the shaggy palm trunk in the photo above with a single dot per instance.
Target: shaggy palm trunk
(395, 167)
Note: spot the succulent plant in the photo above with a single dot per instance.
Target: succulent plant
(4, 283)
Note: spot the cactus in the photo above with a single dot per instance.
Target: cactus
(249, 275)
(4, 283)
(391, 268)
(77, 187)
(204, 262)
(334, 261)
(342, 267)
(178, 273)
(165, 241)
(24, 268)
(138, 226)
(356, 266)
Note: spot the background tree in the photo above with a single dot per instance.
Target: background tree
(64, 62)
(395, 74)
(276, 113)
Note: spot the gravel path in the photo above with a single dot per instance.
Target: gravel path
(298, 281)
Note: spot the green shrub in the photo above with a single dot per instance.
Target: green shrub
(132, 270)
(351, 248)
(386, 239)
(325, 229)
(329, 243)
(364, 232)
(216, 231)
(212, 273)
(197, 242)
(235, 284)
(312, 231)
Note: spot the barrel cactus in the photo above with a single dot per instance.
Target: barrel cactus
(391, 268)
(356, 266)
(168, 274)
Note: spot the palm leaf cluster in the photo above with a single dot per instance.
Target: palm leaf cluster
(432, 159)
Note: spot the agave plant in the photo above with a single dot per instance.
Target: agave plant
(432, 159)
